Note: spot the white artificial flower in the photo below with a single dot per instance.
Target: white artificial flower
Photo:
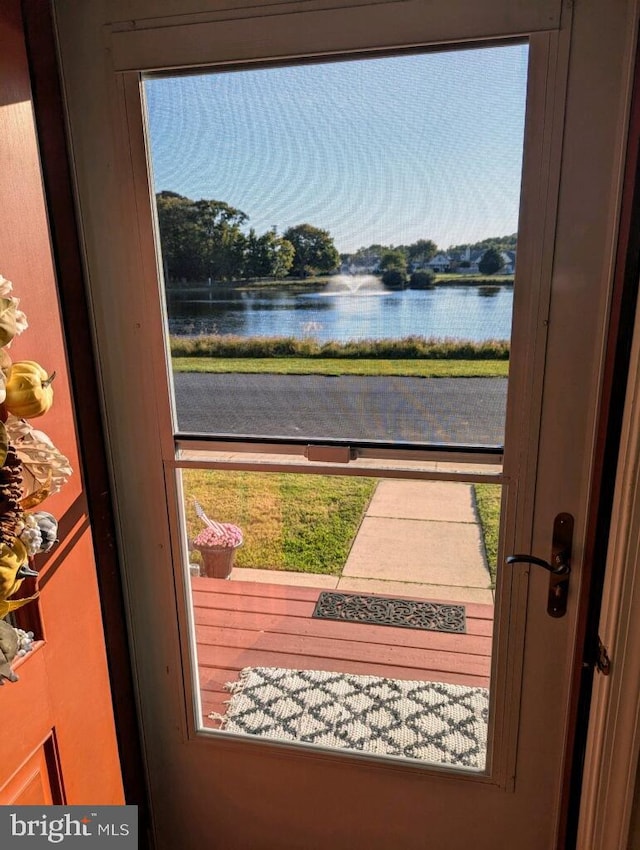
(21, 320)
(43, 464)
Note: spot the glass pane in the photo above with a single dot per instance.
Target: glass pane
(344, 612)
(339, 244)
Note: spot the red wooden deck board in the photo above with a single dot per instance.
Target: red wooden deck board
(210, 640)
(471, 642)
(254, 604)
(237, 658)
(222, 587)
(214, 679)
(254, 588)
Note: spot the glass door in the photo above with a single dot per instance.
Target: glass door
(357, 319)
(335, 294)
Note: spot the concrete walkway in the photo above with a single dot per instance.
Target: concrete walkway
(417, 538)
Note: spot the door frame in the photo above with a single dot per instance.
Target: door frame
(608, 738)
(127, 30)
(613, 740)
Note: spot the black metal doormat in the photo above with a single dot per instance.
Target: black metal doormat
(385, 611)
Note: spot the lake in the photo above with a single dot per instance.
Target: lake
(345, 309)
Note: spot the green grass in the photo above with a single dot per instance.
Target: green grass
(473, 279)
(250, 284)
(303, 523)
(307, 366)
(285, 283)
(488, 498)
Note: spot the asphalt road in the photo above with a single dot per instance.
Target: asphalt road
(468, 411)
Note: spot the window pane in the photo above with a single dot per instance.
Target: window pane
(339, 244)
(344, 612)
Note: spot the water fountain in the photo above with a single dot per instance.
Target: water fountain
(352, 284)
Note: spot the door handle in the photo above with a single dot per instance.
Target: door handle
(559, 567)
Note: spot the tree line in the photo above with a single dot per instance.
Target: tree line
(206, 240)
(497, 243)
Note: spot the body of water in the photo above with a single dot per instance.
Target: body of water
(345, 309)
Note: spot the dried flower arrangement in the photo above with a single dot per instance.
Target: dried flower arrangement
(31, 468)
(216, 535)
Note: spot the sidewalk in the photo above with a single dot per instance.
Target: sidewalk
(417, 538)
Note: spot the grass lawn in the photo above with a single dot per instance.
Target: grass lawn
(466, 279)
(488, 498)
(340, 366)
(303, 523)
(284, 283)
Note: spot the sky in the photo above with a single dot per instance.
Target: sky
(376, 151)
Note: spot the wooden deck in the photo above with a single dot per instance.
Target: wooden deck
(247, 624)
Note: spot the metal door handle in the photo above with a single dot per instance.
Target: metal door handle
(559, 567)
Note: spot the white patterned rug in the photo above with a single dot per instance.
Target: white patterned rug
(430, 721)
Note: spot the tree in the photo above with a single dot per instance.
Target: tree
(365, 258)
(200, 239)
(393, 265)
(491, 262)
(393, 259)
(268, 255)
(371, 255)
(222, 243)
(314, 250)
(500, 243)
(179, 237)
(422, 251)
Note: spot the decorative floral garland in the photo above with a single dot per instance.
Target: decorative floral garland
(31, 468)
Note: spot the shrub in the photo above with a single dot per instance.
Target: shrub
(424, 279)
(411, 347)
(395, 279)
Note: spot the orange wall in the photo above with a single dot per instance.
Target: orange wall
(75, 679)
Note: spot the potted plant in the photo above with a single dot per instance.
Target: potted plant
(217, 543)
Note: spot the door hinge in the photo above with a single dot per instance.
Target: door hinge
(603, 662)
(600, 660)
